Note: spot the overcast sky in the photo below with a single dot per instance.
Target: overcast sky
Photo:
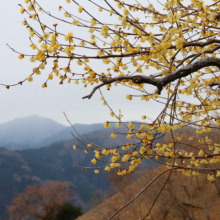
(31, 99)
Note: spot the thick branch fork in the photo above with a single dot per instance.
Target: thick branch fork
(162, 82)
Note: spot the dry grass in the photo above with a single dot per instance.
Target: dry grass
(185, 198)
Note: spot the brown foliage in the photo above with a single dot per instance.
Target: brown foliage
(40, 201)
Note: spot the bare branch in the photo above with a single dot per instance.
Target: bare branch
(135, 79)
(214, 84)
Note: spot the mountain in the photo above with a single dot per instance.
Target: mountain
(36, 131)
(55, 162)
(28, 131)
(66, 133)
(15, 146)
(27, 167)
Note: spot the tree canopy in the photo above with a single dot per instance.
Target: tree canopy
(46, 201)
(166, 52)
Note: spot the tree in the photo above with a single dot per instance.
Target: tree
(166, 53)
(67, 211)
(46, 201)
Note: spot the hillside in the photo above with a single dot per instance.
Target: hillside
(26, 167)
(183, 198)
(55, 162)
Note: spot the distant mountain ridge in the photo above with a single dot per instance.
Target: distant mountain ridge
(28, 130)
(35, 131)
(65, 134)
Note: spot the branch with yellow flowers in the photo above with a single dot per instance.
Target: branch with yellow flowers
(161, 83)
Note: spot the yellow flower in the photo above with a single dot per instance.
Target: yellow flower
(21, 56)
(82, 43)
(195, 173)
(68, 37)
(114, 158)
(30, 7)
(30, 79)
(37, 71)
(117, 165)
(22, 10)
(79, 62)
(112, 165)
(65, 14)
(91, 30)
(98, 155)
(211, 177)
(113, 135)
(34, 47)
(112, 114)
(96, 171)
(70, 34)
(80, 9)
(24, 22)
(46, 35)
(105, 152)
(75, 22)
(106, 125)
(124, 148)
(179, 43)
(107, 168)
(131, 125)
(93, 22)
(118, 125)
(135, 153)
(143, 126)
(129, 97)
(50, 77)
(93, 161)
(142, 150)
(201, 153)
(74, 147)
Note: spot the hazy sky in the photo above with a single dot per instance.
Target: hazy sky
(31, 99)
